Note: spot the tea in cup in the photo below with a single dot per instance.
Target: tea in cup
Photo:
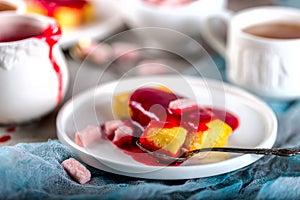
(275, 30)
(33, 72)
(262, 50)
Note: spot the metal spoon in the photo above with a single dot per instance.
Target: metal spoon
(188, 154)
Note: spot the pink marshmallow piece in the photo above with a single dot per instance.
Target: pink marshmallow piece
(111, 126)
(102, 53)
(122, 132)
(78, 140)
(152, 67)
(88, 135)
(119, 132)
(76, 170)
(169, 3)
(125, 52)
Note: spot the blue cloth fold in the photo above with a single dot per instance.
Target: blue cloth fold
(33, 171)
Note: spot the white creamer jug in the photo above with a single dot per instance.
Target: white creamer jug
(33, 71)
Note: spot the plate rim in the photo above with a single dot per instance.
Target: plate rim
(192, 80)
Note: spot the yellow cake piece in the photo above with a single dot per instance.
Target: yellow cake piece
(168, 139)
(68, 17)
(36, 8)
(163, 88)
(216, 136)
(121, 105)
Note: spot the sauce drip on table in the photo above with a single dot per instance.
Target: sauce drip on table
(5, 138)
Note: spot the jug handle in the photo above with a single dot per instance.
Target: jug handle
(210, 34)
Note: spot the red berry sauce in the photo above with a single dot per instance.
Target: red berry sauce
(5, 138)
(51, 35)
(142, 104)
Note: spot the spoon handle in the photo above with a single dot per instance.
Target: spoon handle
(262, 151)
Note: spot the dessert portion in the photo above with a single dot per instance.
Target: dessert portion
(167, 116)
(165, 122)
(68, 13)
(165, 137)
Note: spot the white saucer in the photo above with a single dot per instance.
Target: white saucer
(258, 126)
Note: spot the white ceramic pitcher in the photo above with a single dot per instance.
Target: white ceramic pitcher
(33, 72)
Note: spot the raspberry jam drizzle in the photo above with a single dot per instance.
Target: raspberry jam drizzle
(5, 138)
(11, 129)
(138, 155)
(195, 119)
(142, 104)
(51, 35)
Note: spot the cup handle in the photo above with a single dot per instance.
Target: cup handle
(210, 35)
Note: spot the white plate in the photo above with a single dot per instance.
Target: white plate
(258, 126)
(109, 21)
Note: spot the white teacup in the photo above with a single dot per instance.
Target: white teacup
(18, 6)
(268, 66)
(169, 21)
(33, 72)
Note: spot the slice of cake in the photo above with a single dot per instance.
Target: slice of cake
(216, 135)
(68, 13)
(121, 105)
(165, 137)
